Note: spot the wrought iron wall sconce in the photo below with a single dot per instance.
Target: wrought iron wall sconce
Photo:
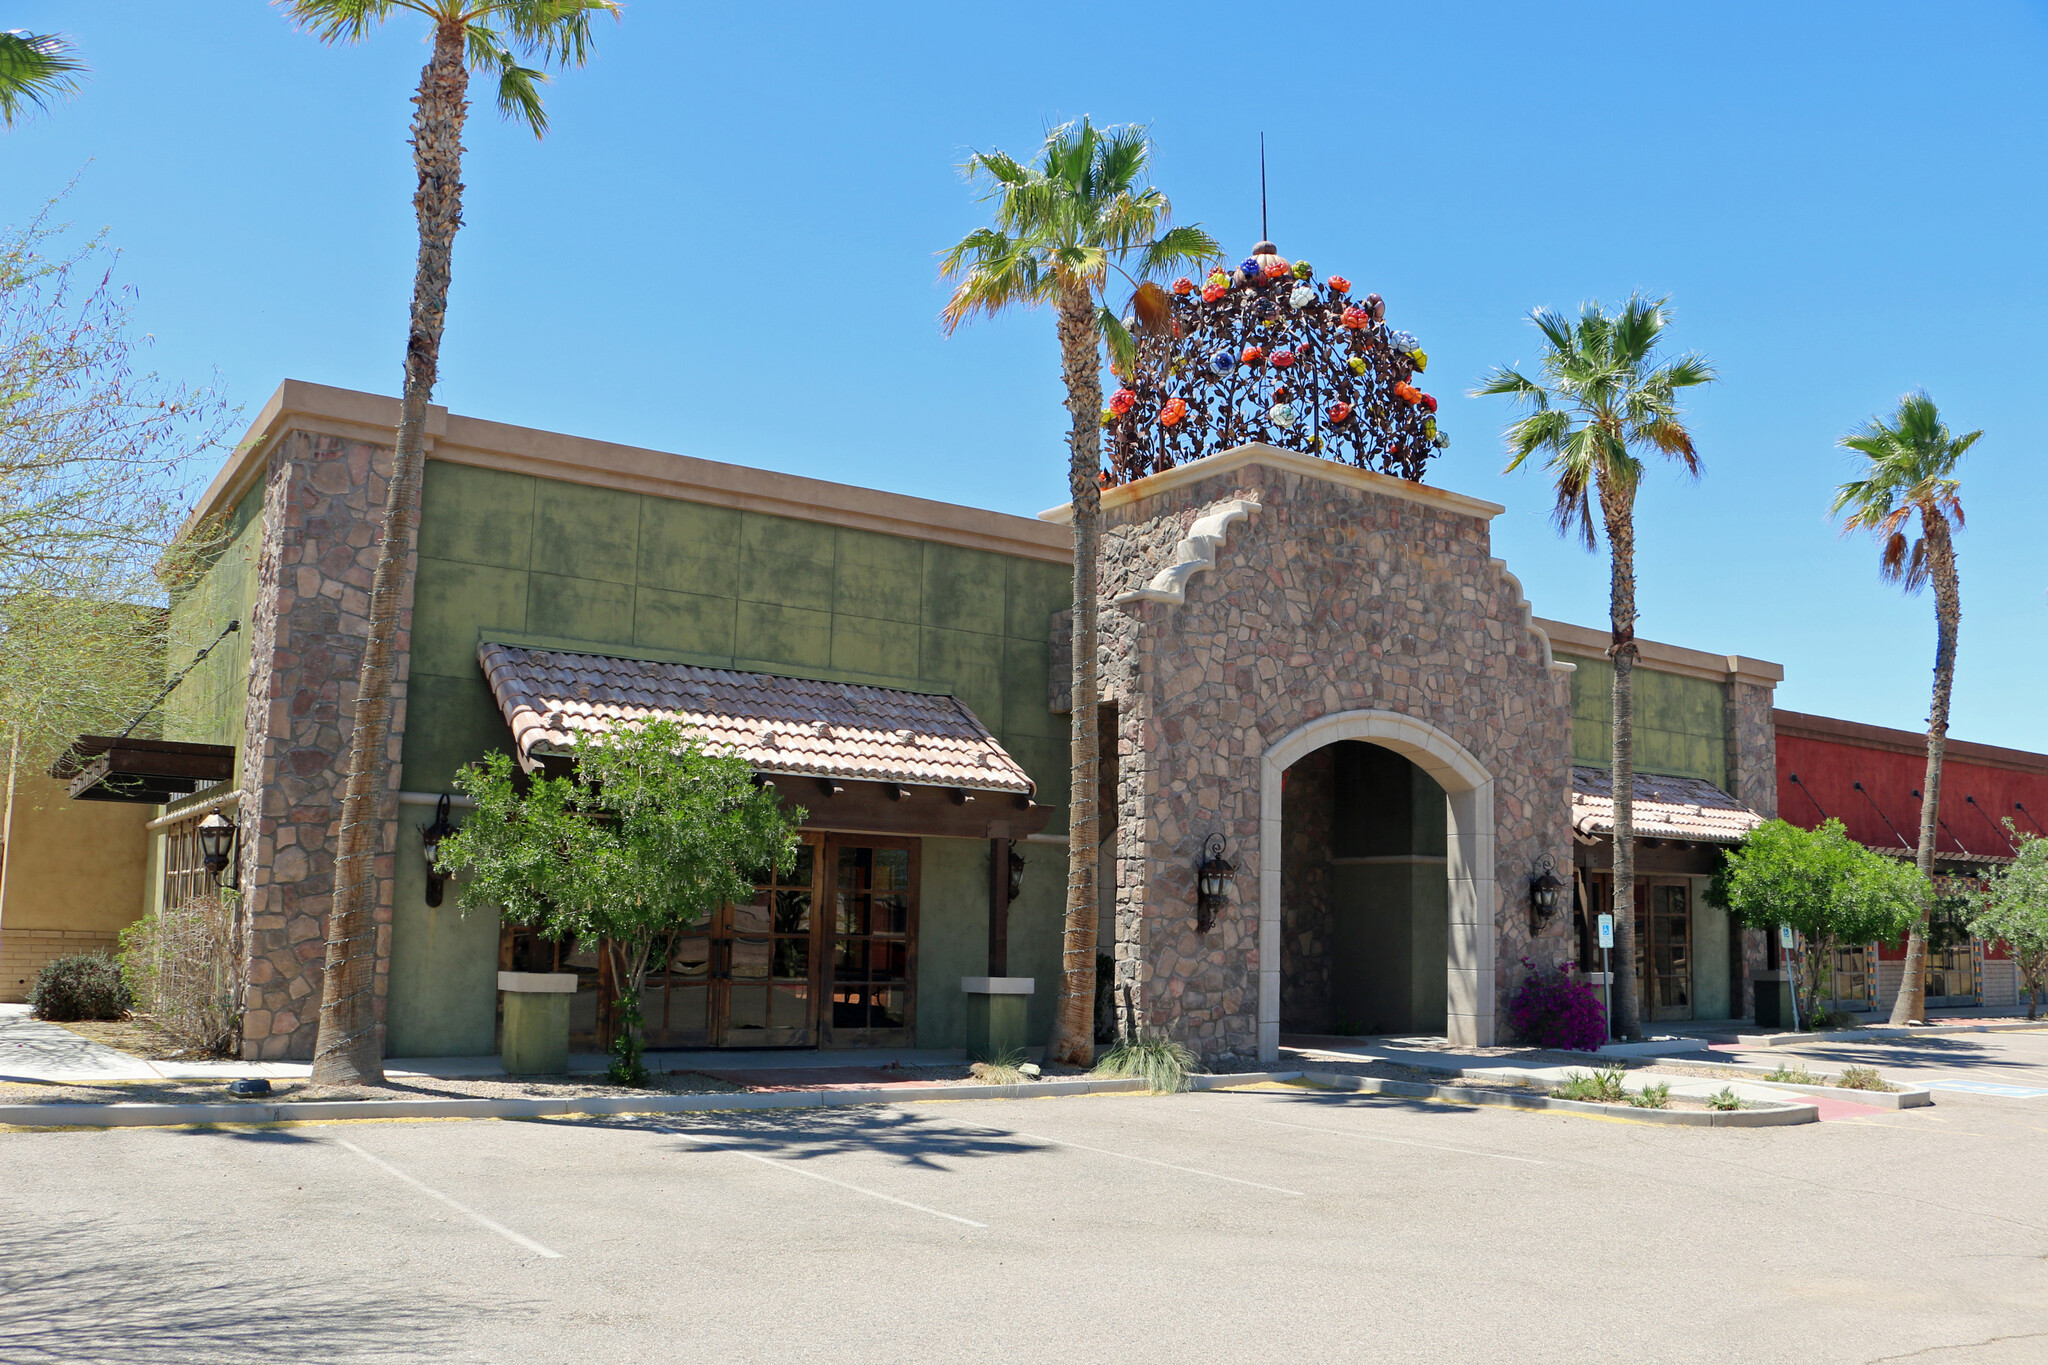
(1545, 893)
(431, 836)
(1016, 872)
(216, 843)
(1212, 883)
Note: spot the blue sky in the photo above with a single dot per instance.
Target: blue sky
(725, 248)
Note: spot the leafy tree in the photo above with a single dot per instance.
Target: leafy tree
(2013, 905)
(1062, 224)
(1605, 397)
(1911, 474)
(493, 36)
(34, 69)
(648, 835)
(1829, 888)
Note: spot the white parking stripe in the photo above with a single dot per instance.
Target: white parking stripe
(1143, 1160)
(795, 1169)
(1402, 1142)
(517, 1238)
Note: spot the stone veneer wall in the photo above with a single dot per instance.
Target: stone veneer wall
(323, 504)
(1752, 780)
(1307, 903)
(1332, 597)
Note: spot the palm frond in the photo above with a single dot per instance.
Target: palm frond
(1123, 349)
(35, 68)
(337, 21)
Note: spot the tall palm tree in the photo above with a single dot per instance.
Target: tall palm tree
(1911, 473)
(1605, 397)
(493, 36)
(1062, 224)
(34, 69)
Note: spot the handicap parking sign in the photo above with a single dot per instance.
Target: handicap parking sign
(1607, 931)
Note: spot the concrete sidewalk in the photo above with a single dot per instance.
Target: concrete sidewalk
(31, 1050)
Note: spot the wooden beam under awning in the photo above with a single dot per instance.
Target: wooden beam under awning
(140, 771)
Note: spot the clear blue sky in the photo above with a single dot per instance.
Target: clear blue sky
(725, 248)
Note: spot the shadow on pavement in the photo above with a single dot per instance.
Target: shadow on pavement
(92, 1290)
(908, 1139)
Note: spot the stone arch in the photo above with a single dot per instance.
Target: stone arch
(1469, 863)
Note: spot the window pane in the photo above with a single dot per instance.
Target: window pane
(849, 959)
(686, 1006)
(692, 958)
(888, 1009)
(749, 958)
(791, 1006)
(792, 912)
(892, 869)
(803, 872)
(749, 1009)
(853, 914)
(750, 919)
(849, 1007)
(891, 915)
(793, 958)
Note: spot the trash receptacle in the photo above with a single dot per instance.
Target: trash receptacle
(1770, 1001)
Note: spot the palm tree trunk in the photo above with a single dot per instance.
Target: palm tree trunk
(349, 1049)
(1617, 506)
(1911, 1006)
(1073, 1025)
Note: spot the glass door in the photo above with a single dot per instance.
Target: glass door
(1664, 949)
(874, 941)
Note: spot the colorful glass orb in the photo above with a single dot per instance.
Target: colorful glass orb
(1356, 318)
(1358, 364)
(1122, 401)
(1303, 270)
(1340, 411)
(1421, 361)
(1250, 268)
(1282, 359)
(1407, 392)
(1283, 414)
(1402, 341)
(1252, 355)
(1172, 412)
(1339, 285)
(1429, 401)
(1214, 292)
(1183, 286)
(1223, 362)
(1302, 297)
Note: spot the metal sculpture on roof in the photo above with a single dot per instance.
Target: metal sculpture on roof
(1267, 353)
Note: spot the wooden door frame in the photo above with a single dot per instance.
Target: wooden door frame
(829, 868)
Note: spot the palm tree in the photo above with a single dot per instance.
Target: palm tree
(1062, 224)
(1911, 472)
(489, 35)
(1606, 397)
(34, 69)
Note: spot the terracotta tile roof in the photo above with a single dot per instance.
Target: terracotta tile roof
(777, 724)
(1665, 807)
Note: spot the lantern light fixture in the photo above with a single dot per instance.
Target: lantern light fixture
(1545, 892)
(431, 836)
(1212, 883)
(1016, 872)
(216, 841)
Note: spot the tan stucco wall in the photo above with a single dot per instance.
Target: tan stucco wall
(75, 875)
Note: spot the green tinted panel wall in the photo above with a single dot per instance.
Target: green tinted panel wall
(208, 706)
(1680, 722)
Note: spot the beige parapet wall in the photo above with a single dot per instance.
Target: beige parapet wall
(75, 875)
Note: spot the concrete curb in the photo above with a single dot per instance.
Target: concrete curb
(1685, 1118)
(312, 1111)
(1905, 1097)
(1874, 1031)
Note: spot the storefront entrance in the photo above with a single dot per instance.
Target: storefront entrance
(1664, 942)
(823, 955)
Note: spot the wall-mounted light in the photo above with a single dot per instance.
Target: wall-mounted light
(1212, 883)
(1545, 893)
(216, 842)
(431, 836)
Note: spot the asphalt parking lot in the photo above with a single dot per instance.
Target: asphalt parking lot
(1251, 1225)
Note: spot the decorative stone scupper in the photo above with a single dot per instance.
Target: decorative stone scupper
(1195, 554)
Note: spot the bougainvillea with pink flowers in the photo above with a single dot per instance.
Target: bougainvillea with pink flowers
(1557, 1008)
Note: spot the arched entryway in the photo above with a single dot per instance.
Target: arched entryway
(1377, 768)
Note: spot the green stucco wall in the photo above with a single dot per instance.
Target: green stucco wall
(1389, 900)
(207, 708)
(1681, 724)
(525, 556)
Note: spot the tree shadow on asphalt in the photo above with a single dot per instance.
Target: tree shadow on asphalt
(804, 1135)
(87, 1290)
(1940, 1051)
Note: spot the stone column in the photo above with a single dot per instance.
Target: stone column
(323, 506)
(1752, 780)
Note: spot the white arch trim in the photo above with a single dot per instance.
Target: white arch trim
(1469, 862)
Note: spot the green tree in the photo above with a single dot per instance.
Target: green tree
(35, 68)
(1604, 397)
(1829, 888)
(2012, 905)
(1909, 475)
(492, 36)
(1063, 223)
(649, 834)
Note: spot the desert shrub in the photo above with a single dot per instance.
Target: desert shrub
(1726, 1098)
(1159, 1062)
(1003, 1070)
(1599, 1087)
(81, 986)
(1657, 1096)
(1557, 1009)
(1794, 1075)
(1863, 1078)
(185, 968)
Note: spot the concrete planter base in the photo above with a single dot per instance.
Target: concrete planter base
(536, 1021)
(996, 1007)
(1790, 1113)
